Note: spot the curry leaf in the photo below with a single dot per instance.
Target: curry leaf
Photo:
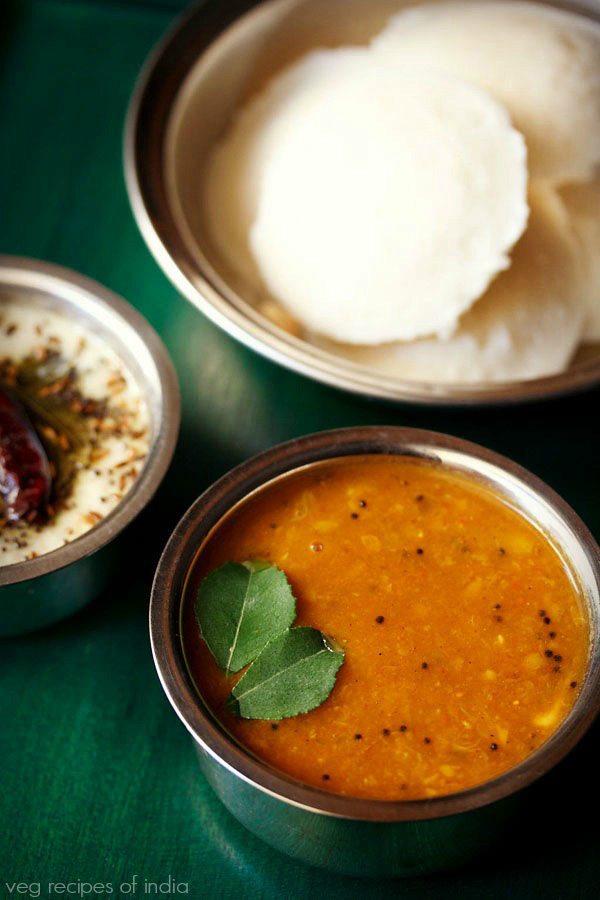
(240, 608)
(295, 673)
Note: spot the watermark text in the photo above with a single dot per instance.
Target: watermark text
(136, 885)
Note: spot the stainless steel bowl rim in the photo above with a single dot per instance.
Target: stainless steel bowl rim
(24, 274)
(208, 509)
(158, 84)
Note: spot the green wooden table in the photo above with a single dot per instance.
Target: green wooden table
(99, 781)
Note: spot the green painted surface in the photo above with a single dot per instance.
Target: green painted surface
(99, 779)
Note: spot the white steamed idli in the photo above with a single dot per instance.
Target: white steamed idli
(380, 202)
(526, 325)
(235, 168)
(542, 64)
(583, 205)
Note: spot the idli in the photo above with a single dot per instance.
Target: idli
(583, 205)
(542, 64)
(526, 325)
(236, 165)
(375, 202)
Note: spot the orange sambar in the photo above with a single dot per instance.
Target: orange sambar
(465, 636)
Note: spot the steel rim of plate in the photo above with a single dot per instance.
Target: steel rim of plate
(146, 127)
(160, 387)
(174, 566)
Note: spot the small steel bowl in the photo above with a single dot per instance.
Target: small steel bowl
(345, 834)
(39, 592)
(207, 66)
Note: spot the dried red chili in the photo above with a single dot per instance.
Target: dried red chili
(25, 479)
